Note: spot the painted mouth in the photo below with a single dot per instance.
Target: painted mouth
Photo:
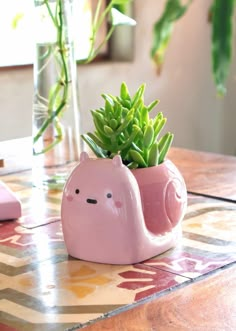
(93, 201)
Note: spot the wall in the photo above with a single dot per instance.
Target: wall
(185, 88)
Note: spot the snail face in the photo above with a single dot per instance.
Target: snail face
(97, 196)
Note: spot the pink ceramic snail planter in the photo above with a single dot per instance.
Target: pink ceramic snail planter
(113, 215)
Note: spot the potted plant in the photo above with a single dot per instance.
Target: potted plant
(125, 205)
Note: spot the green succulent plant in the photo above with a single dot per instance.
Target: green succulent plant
(123, 126)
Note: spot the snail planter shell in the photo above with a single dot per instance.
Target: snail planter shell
(113, 215)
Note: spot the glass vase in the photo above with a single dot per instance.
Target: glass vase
(56, 120)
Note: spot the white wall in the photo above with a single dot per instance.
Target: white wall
(185, 88)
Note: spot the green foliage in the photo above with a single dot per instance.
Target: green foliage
(163, 29)
(222, 36)
(121, 5)
(112, 13)
(58, 94)
(221, 14)
(123, 127)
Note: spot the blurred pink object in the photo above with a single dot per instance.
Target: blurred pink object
(106, 220)
(10, 206)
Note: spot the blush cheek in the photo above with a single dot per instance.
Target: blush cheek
(118, 204)
(69, 197)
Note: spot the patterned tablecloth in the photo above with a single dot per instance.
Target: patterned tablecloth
(42, 288)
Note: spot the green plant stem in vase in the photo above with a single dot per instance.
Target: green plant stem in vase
(56, 121)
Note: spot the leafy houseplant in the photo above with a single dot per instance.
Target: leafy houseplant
(220, 16)
(123, 126)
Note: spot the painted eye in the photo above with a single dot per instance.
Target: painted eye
(77, 191)
(109, 195)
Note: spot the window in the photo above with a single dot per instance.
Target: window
(17, 31)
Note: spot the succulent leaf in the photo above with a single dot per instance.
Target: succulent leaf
(97, 141)
(113, 123)
(158, 126)
(98, 118)
(132, 165)
(148, 136)
(126, 103)
(144, 115)
(108, 98)
(108, 107)
(126, 121)
(98, 151)
(130, 140)
(108, 130)
(153, 155)
(135, 147)
(138, 95)
(124, 92)
(164, 146)
(152, 105)
(99, 123)
(137, 157)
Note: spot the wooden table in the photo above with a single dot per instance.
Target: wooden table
(207, 174)
(191, 287)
